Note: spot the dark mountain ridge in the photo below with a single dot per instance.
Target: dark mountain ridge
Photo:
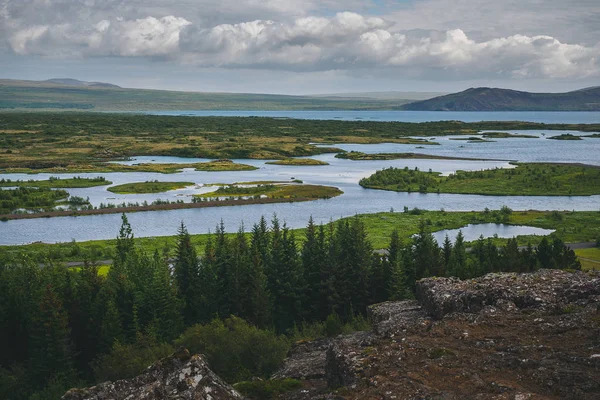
(494, 99)
(76, 82)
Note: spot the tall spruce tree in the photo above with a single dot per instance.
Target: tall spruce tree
(187, 276)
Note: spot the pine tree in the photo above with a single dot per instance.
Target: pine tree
(187, 276)
(457, 264)
(125, 240)
(446, 251)
(259, 302)
(544, 254)
(51, 350)
(111, 328)
(395, 273)
(166, 307)
(426, 253)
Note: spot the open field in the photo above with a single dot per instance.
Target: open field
(298, 162)
(57, 183)
(148, 187)
(84, 142)
(217, 165)
(571, 227)
(33, 95)
(279, 194)
(589, 258)
(525, 180)
(360, 156)
(504, 135)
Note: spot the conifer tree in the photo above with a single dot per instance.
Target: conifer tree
(187, 276)
(457, 265)
(51, 346)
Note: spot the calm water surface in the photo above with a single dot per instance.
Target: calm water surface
(344, 174)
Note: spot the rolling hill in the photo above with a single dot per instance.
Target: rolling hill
(71, 94)
(493, 99)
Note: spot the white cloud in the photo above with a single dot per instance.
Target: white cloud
(292, 40)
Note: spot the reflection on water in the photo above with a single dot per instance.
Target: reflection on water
(341, 173)
(472, 232)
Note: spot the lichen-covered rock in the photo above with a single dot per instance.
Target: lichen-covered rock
(393, 318)
(542, 289)
(345, 358)
(180, 376)
(305, 361)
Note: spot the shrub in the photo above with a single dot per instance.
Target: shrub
(235, 349)
(128, 360)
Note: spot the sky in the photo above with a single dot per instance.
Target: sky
(305, 47)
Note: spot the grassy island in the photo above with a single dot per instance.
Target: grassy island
(171, 168)
(148, 187)
(29, 198)
(565, 136)
(84, 142)
(524, 180)
(593, 136)
(505, 135)
(274, 191)
(298, 161)
(360, 156)
(56, 182)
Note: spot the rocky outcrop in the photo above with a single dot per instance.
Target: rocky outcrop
(501, 336)
(180, 376)
(545, 289)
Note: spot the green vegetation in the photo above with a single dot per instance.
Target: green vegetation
(357, 155)
(571, 227)
(589, 258)
(217, 165)
(254, 351)
(504, 135)
(524, 180)
(33, 95)
(565, 136)
(298, 161)
(57, 182)
(265, 390)
(275, 191)
(63, 327)
(148, 187)
(594, 135)
(29, 198)
(84, 142)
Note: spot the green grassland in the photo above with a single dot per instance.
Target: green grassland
(524, 180)
(566, 136)
(571, 227)
(504, 135)
(172, 168)
(589, 258)
(56, 182)
(360, 156)
(41, 95)
(84, 142)
(298, 162)
(30, 198)
(275, 191)
(148, 187)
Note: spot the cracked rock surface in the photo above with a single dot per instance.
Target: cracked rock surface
(179, 376)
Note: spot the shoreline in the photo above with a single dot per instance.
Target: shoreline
(156, 207)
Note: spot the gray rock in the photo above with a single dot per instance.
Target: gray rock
(542, 289)
(180, 376)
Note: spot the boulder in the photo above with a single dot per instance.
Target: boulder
(180, 376)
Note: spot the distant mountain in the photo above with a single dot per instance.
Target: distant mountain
(391, 95)
(75, 82)
(493, 99)
(72, 94)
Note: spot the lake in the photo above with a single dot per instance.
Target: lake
(549, 117)
(341, 173)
